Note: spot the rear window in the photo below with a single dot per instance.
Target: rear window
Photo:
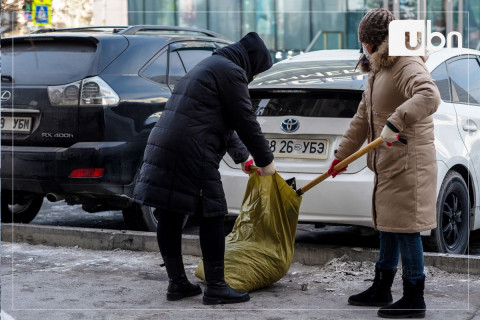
(302, 103)
(47, 62)
(312, 74)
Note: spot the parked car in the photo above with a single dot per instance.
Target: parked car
(305, 104)
(77, 108)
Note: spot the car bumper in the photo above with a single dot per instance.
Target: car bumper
(46, 169)
(347, 199)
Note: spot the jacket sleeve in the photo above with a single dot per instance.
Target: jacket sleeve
(356, 134)
(238, 109)
(236, 149)
(414, 81)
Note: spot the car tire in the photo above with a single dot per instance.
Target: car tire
(453, 216)
(22, 208)
(143, 218)
(150, 218)
(133, 218)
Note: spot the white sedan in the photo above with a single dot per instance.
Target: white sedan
(304, 106)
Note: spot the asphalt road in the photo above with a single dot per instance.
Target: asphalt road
(60, 214)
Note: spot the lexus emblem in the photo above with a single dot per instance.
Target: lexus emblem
(290, 125)
(6, 95)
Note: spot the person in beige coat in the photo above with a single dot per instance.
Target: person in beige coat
(397, 105)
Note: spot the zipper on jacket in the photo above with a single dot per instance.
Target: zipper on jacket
(374, 210)
(372, 127)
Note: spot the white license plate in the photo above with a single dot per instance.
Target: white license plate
(16, 124)
(299, 148)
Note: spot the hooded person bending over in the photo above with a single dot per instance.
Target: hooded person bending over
(208, 114)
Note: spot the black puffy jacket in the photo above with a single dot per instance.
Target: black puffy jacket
(185, 147)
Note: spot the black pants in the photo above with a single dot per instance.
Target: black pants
(212, 236)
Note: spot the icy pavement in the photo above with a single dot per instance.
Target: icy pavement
(40, 282)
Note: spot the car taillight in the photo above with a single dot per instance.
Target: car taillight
(96, 92)
(88, 92)
(87, 173)
(64, 95)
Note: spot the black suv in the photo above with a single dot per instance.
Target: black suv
(77, 108)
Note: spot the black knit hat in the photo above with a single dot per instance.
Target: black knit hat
(373, 28)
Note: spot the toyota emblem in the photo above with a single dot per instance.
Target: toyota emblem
(6, 95)
(290, 125)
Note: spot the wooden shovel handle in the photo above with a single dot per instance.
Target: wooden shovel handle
(372, 145)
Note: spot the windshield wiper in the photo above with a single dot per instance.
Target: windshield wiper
(7, 78)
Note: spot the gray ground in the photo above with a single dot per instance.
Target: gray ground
(60, 283)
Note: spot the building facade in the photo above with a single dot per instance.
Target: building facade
(289, 26)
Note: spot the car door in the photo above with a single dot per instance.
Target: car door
(464, 73)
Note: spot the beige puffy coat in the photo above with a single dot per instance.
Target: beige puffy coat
(401, 91)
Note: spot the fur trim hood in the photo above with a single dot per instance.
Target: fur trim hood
(381, 60)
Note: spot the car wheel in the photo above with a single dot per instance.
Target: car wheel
(453, 216)
(21, 208)
(143, 218)
(133, 218)
(150, 218)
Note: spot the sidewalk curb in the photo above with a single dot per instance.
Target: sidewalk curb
(100, 239)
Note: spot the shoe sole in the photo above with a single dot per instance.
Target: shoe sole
(406, 316)
(361, 304)
(174, 296)
(212, 301)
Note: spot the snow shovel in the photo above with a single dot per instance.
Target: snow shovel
(372, 145)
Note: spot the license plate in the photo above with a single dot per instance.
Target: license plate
(16, 124)
(299, 148)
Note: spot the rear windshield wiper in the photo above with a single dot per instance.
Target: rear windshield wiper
(7, 78)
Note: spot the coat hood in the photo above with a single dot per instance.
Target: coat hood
(250, 54)
(380, 59)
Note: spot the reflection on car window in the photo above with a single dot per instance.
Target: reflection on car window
(191, 57)
(175, 70)
(157, 70)
(312, 73)
(333, 105)
(465, 76)
(440, 76)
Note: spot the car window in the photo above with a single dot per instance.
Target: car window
(175, 69)
(191, 57)
(51, 59)
(307, 104)
(440, 76)
(157, 70)
(465, 80)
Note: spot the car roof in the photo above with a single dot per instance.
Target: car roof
(322, 55)
(104, 35)
(286, 73)
(439, 56)
(307, 72)
(435, 57)
(146, 30)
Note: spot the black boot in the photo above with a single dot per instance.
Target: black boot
(411, 305)
(217, 291)
(379, 294)
(178, 284)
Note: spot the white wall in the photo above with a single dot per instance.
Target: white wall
(110, 12)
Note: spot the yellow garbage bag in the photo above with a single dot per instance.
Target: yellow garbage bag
(259, 250)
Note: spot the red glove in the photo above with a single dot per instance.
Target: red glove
(334, 172)
(246, 165)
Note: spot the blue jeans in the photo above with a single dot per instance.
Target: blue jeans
(409, 246)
